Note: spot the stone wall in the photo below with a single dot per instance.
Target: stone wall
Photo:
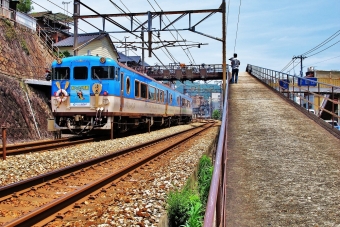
(23, 109)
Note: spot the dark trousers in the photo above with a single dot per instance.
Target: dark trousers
(234, 75)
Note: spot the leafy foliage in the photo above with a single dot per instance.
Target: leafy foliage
(25, 6)
(63, 54)
(186, 207)
(195, 217)
(180, 205)
(24, 46)
(205, 171)
(216, 114)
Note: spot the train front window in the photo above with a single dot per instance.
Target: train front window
(80, 73)
(102, 72)
(61, 73)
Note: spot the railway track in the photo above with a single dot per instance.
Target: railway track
(23, 148)
(41, 199)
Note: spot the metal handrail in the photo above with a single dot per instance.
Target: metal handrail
(48, 42)
(295, 87)
(218, 183)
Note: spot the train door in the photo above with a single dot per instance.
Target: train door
(180, 108)
(166, 102)
(121, 91)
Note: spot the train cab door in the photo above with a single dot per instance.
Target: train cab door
(121, 91)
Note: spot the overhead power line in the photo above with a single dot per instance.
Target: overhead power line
(323, 61)
(323, 49)
(238, 19)
(323, 43)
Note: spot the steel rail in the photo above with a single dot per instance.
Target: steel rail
(42, 145)
(56, 205)
(30, 182)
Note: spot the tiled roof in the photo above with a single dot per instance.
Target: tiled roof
(52, 16)
(123, 58)
(82, 38)
(40, 14)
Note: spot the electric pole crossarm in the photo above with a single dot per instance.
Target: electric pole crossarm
(204, 19)
(216, 38)
(153, 13)
(105, 17)
(174, 21)
(301, 58)
(144, 23)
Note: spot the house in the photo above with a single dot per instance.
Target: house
(131, 61)
(90, 44)
(53, 24)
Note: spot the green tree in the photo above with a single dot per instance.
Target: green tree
(25, 6)
(216, 114)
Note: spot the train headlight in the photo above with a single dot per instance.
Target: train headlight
(102, 60)
(105, 93)
(106, 101)
(59, 61)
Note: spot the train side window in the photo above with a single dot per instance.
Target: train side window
(178, 104)
(143, 90)
(61, 73)
(128, 86)
(137, 89)
(152, 93)
(170, 99)
(80, 73)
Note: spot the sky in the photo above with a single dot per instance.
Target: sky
(263, 33)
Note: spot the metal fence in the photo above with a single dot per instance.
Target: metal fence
(308, 92)
(26, 20)
(216, 206)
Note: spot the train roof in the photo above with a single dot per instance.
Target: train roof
(97, 58)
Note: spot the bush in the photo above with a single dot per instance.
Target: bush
(205, 171)
(180, 205)
(186, 207)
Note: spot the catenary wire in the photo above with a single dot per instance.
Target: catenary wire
(238, 19)
(171, 57)
(193, 60)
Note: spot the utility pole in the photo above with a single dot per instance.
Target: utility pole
(301, 58)
(76, 12)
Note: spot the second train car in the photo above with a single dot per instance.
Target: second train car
(91, 93)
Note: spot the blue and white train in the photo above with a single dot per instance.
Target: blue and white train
(96, 93)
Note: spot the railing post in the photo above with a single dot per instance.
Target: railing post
(4, 139)
(333, 106)
(319, 104)
(112, 128)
